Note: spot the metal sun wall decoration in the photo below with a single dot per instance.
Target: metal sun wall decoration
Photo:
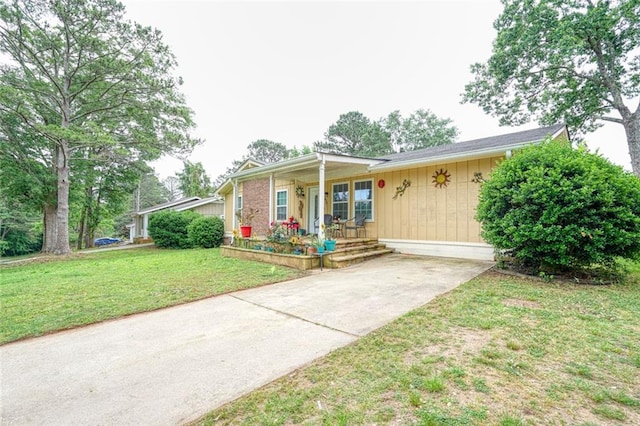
(400, 189)
(441, 178)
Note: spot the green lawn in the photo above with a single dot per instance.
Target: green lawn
(498, 350)
(51, 294)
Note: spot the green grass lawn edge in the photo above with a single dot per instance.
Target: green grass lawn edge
(49, 294)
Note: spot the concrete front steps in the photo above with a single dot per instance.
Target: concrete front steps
(354, 250)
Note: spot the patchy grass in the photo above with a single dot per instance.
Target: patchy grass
(54, 293)
(498, 350)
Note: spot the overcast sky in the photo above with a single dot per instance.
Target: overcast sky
(285, 71)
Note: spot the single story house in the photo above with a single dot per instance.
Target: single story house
(418, 202)
(211, 206)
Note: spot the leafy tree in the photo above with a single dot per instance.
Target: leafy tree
(194, 181)
(150, 191)
(574, 62)
(556, 208)
(422, 129)
(80, 75)
(295, 152)
(224, 176)
(17, 234)
(172, 186)
(355, 134)
(267, 151)
(103, 189)
(25, 177)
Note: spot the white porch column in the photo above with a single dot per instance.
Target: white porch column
(145, 225)
(321, 196)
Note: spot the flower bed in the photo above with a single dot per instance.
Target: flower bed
(298, 261)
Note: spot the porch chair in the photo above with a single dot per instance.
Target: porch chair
(356, 224)
(328, 221)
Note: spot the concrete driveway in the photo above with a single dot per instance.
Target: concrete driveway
(172, 366)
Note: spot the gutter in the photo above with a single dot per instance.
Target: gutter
(503, 150)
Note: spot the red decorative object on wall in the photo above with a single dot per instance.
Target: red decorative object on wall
(381, 183)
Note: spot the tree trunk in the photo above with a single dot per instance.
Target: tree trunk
(632, 130)
(89, 231)
(50, 226)
(83, 215)
(62, 214)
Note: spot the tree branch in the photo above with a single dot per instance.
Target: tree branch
(612, 120)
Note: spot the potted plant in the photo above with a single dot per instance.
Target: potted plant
(319, 244)
(245, 218)
(330, 244)
(314, 245)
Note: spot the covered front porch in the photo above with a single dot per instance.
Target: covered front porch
(301, 190)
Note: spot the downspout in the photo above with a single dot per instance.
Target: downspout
(234, 221)
(321, 196)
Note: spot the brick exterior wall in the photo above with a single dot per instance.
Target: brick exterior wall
(255, 194)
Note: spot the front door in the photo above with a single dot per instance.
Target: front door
(313, 208)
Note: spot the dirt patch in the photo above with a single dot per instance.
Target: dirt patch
(519, 303)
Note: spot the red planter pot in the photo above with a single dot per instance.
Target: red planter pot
(245, 231)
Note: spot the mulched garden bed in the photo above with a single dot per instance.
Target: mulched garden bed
(587, 277)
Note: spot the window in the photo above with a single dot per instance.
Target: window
(239, 207)
(281, 205)
(340, 199)
(363, 198)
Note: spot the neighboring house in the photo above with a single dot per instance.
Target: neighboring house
(418, 202)
(213, 206)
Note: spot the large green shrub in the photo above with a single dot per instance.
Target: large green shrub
(206, 232)
(555, 208)
(169, 228)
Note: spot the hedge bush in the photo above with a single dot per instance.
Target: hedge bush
(169, 228)
(206, 232)
(555, 208)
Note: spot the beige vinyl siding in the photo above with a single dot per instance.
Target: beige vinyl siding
(212, 209)
(427, 212)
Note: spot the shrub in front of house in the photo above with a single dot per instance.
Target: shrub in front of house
(554, 208)
(206, 232)
(169, 228)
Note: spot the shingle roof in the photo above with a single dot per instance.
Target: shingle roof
(493, 142)
(167, 205)
(197, 203)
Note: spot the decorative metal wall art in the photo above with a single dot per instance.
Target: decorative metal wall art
(400, 189)
(478, 178)
(441, 178)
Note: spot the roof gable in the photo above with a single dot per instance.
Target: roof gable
(167, 205)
